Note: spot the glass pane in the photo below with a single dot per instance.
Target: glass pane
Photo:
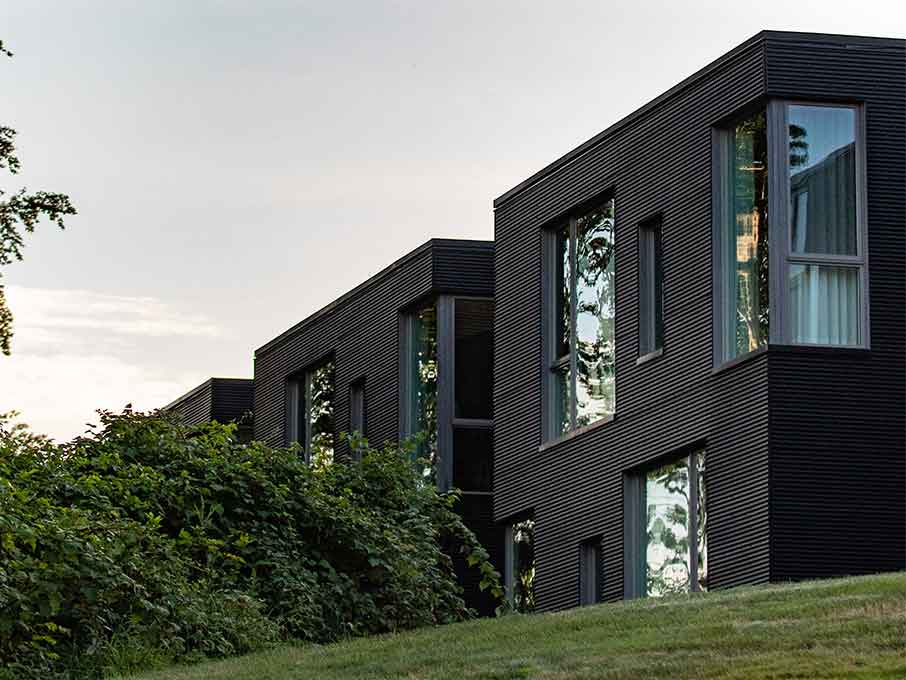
(562, 400)
(745, 268)
(474, 359)
(473, 459)
(650, 289)
(320, 414)
(423, 365)
(667, 534)
(561, 344)
(595, 300)
(522, 579)
(822, 143)
(702, 523)
(825, 304)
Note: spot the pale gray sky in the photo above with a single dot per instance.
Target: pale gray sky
(221, 155)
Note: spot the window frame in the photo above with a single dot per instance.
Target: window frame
(635, 513)
(651, 253)
(357, 406)
(590, 565)
(551, 364)
(299, 405)
(780, 257)
(781, 226)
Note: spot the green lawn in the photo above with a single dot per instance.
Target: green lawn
(828, 629)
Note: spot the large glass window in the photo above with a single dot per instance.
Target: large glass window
(825, 299)
(582, 350)
(519, 575)
(817, 244)
(422, 379)
(744, 237)
(312, 412)
(666, 511)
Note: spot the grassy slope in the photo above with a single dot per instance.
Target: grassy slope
(843, 628)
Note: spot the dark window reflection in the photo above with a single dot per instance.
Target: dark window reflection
(473, 459)
(474, 358)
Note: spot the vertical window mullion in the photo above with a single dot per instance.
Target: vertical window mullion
(779, 226)
(573, 316)
(306, 416)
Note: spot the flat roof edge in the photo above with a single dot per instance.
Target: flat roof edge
(708, 69)
(371, 280)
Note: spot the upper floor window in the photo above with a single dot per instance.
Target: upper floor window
(651, 289)
(311, 423)
(801, 279)
(581, 342)
(420, 377)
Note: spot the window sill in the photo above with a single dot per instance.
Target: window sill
(786, 348)
(572, 434)
(651, 356)
(732, 363)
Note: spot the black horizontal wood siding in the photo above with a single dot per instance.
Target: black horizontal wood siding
(838, 417)
(225, 400)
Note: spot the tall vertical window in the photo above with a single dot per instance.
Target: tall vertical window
(590, 571)
(651, 288)
(421, 379)
(743, 224)
(581, 342)
(311, 412)
(815, 272)
(826, 257)
(667, 529)
(357, 407)
(519, 573)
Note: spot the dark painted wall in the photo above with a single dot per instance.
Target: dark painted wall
(837, 417)
(656, 161)
(226, 400)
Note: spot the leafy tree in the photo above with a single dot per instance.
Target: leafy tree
(20, 211)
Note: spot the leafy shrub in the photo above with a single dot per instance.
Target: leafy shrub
(151, 541)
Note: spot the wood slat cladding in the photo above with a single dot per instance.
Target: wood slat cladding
(360, 330)
(837, 417)
(658, 160)
(225, 400)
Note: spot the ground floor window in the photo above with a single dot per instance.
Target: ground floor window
(519, 575)
(590, 571)
(666, 528)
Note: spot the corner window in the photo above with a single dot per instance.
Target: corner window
(580, 340)
(810, 285)
(420, 358)
(519, 574)
(590, 572)
(666, 529)
(651, 288)
(311, 423)
(744, 286)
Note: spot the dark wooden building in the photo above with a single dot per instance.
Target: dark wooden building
(226, 400)
(699, 334)
(409, 350)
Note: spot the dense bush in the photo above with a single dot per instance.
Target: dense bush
(152, 541)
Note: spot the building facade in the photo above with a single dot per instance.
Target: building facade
(226, 400)
(409, 351)
(699, 334)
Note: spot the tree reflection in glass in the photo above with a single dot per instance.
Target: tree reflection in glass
(595, 336)
(423, 367)
(320, 414)
(667, 553)
(523, 576)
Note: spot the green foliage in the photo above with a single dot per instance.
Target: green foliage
(151, 541)
(21, 210)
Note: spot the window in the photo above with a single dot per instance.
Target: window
(744, 288)
(420, 403)
(666, 529)
(590, 571)
(357, 407)
(519, 574)
(813, 265)
(311, 399)
(580, 341)
(651, 288)
(826, 260)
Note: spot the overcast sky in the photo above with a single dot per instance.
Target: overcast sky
(237, 165)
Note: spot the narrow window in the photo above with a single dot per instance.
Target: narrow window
(519, 575)
(357, 407)
(581, 348)
(590, 572)
(744, 287)
(421, 365)
(667, 529)
(651, 293)
(311, 412)
(826, 259)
